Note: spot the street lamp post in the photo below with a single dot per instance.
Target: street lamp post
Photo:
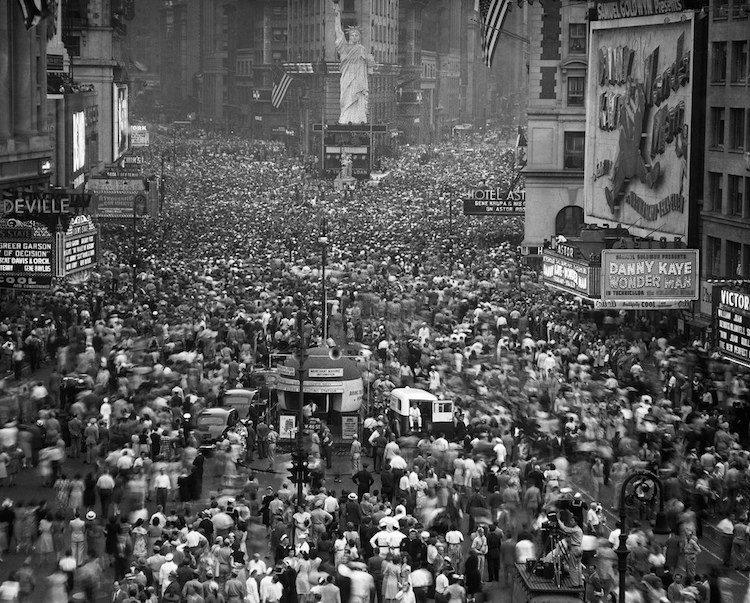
(302, 357)
(323, 240)
(640, 488)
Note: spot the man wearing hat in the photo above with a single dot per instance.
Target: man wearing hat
(351, 511)
(168, 568)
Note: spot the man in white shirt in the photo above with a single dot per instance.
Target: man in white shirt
(271, 590)
(162, 486)
(251, 586)
(256, 564)
(415, 419)
(166, 569)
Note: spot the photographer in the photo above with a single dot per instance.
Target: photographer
(574, 536)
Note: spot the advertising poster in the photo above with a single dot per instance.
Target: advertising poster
(121, 123)
(287, 426)
(570, 275)
(78, 253)
(26, 256)
(733, 326)
(79, 141)
(649, 278)
(639, 123)
(349, 427)
(118, 198)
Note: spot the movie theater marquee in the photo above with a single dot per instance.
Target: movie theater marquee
(638, 132)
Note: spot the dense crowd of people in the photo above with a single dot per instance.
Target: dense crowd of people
(555, 404)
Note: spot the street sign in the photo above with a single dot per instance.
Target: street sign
(132, 160)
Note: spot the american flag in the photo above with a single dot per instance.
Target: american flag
(492, 14)
(34, 11)
(279, 89)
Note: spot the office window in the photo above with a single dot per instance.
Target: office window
(575, 91)
(740, 9)
(713, 252)
(739, 61)
(719, 62)
(734, 259)
(574, 150)
(734, 195)
(745, 261)
(737, 129)
(715, 191)
(577, 38)
(721, 9)
(717, 126)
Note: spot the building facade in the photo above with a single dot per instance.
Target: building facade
(725, 212)
(25, 150)
(556, 109)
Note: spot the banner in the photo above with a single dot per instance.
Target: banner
(631, 277)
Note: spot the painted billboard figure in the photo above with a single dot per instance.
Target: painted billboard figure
(355, 61)
(629, 162)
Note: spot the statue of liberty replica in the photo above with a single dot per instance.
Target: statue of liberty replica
(355, 61)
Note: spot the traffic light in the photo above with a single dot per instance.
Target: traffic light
(300, 468)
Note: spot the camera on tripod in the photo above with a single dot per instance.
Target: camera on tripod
(551, 526)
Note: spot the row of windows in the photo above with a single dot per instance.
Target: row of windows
(737, 62)
(736, 202)
(736, 258)
(429, 70)
(736, 9)
(738, 137)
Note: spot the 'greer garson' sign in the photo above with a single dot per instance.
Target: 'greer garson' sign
(622, 9)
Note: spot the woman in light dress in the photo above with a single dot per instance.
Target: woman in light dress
(44, 544)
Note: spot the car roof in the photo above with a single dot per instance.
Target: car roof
(241, 392)
(216, 411)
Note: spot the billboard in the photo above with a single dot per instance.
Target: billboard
(638, 123)
(733, 326)
(495, 202)
(77, 247)
(79, 141)
(139, 136)
(120, 120)
(118, 198)
(26, 256)
(569, 275)
(649, 278)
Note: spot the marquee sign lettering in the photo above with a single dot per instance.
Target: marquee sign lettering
(622, 9)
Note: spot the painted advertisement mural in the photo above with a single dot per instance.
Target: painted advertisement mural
(638, 126)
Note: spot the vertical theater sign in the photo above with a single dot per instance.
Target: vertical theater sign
(640, 125)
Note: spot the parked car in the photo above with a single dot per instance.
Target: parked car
(246, 402)
(212, 423)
